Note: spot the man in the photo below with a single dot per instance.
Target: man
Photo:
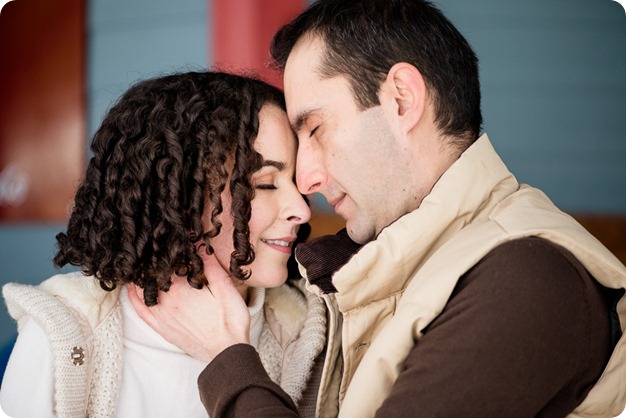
(471, 295)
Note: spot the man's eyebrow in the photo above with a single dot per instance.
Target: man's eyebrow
(301, 117)
(271, 163)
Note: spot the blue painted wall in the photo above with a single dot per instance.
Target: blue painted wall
(554, 95)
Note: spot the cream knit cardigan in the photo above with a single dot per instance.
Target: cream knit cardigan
(84, 327)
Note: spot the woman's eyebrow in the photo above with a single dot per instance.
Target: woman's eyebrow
(271, 163)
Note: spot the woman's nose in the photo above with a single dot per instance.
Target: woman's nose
(296, 209)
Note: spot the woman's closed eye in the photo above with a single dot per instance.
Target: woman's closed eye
(269, 175)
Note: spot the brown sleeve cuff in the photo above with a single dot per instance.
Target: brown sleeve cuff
(236, 384)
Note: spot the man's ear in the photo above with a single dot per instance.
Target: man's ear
(403, 96)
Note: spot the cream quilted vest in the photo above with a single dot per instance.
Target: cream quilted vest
(396, 285)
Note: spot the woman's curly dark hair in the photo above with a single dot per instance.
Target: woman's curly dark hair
(163, 153)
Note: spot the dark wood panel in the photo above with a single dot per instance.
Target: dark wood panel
(609, 229)
(325, 224)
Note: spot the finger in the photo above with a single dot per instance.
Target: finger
(179, 286)
(135, 294)
(218, 279)
(178, 280)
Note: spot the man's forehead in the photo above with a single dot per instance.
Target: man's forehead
(303, 62)
(301, 84)
(309, 44)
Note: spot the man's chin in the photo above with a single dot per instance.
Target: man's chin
(359, 233)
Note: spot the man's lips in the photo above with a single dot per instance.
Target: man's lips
(336, 202)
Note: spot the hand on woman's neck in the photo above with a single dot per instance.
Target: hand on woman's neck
(243, 289)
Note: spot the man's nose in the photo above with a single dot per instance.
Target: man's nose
(310, 172)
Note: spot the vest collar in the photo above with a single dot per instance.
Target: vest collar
(472, 186)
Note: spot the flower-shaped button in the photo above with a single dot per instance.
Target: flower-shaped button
(78, 356)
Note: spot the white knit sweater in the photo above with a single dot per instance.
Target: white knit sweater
(105, 361)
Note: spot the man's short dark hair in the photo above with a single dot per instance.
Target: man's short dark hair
(364, 38)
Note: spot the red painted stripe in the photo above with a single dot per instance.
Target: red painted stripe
(242, 31)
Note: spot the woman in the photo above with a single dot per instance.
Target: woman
(185, 168)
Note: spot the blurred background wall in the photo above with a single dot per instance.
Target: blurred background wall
(552, 71)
